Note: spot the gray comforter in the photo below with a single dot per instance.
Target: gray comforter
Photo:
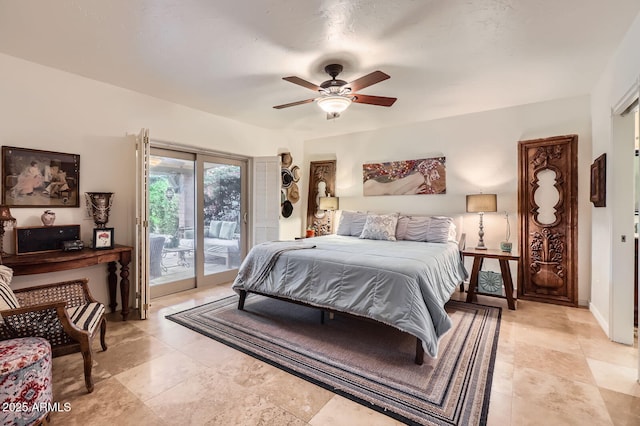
(404, 284)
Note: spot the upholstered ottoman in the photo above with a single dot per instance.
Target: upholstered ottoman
(25, 381)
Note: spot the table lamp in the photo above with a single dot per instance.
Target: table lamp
(481, 204)
(329, 204)
(5, 217)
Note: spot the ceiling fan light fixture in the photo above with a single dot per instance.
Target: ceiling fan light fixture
(334, 104)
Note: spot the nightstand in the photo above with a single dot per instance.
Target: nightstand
(503, 258)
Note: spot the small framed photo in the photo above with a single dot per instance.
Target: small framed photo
(102, 238)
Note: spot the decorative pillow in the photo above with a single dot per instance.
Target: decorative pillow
(227, 229)
(214, 229)
(7, 298)
(380, 227)
(438, 229)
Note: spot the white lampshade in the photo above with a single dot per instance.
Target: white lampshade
(328, 203)
(334, 104)
(481, 203)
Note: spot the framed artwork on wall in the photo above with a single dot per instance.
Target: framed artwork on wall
(408, 177)
(599, 181)
(35, 178)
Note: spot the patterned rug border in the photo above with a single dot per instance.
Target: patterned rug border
(174, 317)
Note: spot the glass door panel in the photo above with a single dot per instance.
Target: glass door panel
(223, 224)
(171, 221)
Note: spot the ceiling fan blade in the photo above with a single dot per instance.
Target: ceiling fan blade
(306, 101)
(374, 100)
(301, 82)
(367, 80)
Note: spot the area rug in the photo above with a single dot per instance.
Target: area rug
(366, 361)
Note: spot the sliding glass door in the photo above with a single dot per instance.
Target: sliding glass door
(197, 219)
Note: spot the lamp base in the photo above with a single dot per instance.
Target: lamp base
(481, 248)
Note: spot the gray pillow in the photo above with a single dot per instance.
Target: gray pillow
(417, 228)
(357, 223)
(380, 227)
(401, 229)
(439, 229)
(351, 223)
(344, 227)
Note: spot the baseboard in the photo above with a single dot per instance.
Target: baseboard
(604, 323)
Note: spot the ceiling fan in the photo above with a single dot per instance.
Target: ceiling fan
(335, 96)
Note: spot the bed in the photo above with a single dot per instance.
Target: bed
(404, 284)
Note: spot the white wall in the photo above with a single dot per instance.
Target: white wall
(611, 292)
(44, 108)
(481, 156)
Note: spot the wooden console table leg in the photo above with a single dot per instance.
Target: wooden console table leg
(125, 259)
(473, 281)
(112, 280)
(508, 283)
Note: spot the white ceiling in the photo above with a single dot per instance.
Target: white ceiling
(445, 57)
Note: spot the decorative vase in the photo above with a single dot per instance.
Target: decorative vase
(99, 205)
(506, 246)
(48, 217)
(310, 233)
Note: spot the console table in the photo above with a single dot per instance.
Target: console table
(41, 263)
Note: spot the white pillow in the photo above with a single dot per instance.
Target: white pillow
(380, 227)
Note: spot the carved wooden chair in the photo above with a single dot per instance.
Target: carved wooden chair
(64, 313)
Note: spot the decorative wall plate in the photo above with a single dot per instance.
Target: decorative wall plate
(489, 282)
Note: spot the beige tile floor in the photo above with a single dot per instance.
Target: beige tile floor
(554, 366)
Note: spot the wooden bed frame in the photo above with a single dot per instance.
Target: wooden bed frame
(419, 358)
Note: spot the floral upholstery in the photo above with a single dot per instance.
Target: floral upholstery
(25, 380)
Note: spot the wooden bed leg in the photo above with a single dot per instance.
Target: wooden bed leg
(243, 296)
(321, 316)
(419, 352)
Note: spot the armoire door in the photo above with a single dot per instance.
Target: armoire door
(548, 211)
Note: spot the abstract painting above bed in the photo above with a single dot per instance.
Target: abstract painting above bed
(404, 284)
(423, 176)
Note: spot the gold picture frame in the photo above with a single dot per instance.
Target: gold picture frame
(36, 178)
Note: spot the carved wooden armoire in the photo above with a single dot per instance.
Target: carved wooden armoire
(548, 212)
